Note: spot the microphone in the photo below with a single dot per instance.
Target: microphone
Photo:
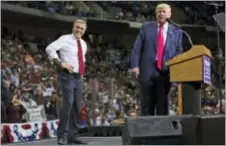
(184, 32)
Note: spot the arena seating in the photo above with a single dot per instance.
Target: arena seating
(197, 12)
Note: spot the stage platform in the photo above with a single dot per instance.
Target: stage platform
(89, 140)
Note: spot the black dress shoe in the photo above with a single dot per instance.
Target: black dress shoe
(76, 141)
(61, 141)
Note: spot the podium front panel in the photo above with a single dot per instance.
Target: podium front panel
(187, 71)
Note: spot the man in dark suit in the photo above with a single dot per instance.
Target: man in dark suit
(156, 43)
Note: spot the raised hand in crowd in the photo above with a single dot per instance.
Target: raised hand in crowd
(15, 100)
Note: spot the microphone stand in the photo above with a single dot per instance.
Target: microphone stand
(183, 31)
(219, 58)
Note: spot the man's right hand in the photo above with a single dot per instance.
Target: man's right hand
(66, 66)
(136, 72)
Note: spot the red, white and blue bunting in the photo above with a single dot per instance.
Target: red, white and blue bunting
(26, 132)
(4, 128)
(52, 128)
(23, 132)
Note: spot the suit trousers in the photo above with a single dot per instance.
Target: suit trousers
(72, 90)
(154, 95)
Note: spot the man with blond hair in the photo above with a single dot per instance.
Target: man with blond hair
(72, 49)
(156, 43)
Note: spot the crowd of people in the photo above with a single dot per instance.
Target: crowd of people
(139, 11)
(29, 80)
(111, 93)
(199, 12)
(60, 7)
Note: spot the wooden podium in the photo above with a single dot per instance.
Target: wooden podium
(190, 70)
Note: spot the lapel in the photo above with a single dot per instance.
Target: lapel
(155, 35)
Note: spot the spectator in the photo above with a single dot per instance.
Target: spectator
(27, 99)
(6, 93)
(52, 107)
(15, 77)
(83, 116)
(15, 110)
(3, 114)
(39, 95)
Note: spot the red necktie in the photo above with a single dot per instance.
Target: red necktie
(80, 59)
(160, 48)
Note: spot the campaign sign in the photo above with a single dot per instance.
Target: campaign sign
(207, 70)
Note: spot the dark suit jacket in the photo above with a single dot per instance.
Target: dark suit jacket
(145, 49)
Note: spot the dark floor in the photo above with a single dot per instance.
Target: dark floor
(89, 140)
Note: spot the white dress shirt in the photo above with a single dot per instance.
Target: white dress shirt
(68, 49)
